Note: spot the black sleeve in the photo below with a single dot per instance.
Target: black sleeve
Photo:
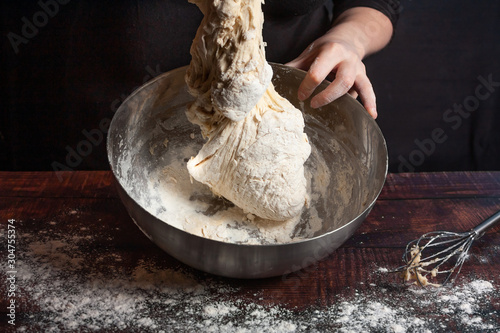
(390, 8)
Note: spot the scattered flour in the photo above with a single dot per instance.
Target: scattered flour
(176, 199)
(383, 270)
(71, 286)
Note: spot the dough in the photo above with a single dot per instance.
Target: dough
(228, 71)
(256, 148)
(415, 268)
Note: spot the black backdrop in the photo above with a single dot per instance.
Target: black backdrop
(437, 83)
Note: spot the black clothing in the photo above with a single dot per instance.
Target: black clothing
(290, 26)
(390, 8)
(64, 80)
(279, 8)
(290, 7)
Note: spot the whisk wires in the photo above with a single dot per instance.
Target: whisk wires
(440, 254)
(436, 255)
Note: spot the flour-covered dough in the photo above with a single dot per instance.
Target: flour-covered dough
(256, 146)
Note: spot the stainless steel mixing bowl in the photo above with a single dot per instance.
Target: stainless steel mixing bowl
(151, 128)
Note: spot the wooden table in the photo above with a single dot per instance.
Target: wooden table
(83, 210)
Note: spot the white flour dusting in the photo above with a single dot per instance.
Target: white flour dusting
(70, 284)
(188, 205)
(152, 168)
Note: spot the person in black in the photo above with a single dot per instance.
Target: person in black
(342, 34)
(76, 70)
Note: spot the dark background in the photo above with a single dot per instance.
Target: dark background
(68, 78)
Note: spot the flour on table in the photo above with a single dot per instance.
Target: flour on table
(68, 286)
(256, 146)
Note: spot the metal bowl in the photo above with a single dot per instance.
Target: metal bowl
(150, 130)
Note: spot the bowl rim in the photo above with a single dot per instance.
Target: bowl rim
(364, 212)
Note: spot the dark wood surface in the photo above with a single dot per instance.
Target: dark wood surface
(409, 205)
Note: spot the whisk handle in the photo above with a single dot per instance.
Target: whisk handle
(480, 229)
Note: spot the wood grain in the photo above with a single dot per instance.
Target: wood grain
(460, 184)
(398, 185)
(85, 205)
(82, 184)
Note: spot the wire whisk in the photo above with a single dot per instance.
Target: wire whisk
(440, 254)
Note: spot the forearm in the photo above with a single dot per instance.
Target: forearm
(356, 33)
(368, 29)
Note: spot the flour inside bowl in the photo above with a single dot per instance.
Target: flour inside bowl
(192, 207)
(155, 175)
(152, 141)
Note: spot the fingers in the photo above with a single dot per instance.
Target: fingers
(353, 93)
(303, 60)
(299, 62)
(343, 82)
(367, 95)
(352, 81)
(324, 59)
(318, 71)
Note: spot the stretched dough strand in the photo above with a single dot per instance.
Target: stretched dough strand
(256, 148)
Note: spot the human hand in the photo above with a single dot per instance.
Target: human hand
(335, 57)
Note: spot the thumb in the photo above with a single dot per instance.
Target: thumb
(301, 62)
(294, 63)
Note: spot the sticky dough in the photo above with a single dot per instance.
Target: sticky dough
(256, 148)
